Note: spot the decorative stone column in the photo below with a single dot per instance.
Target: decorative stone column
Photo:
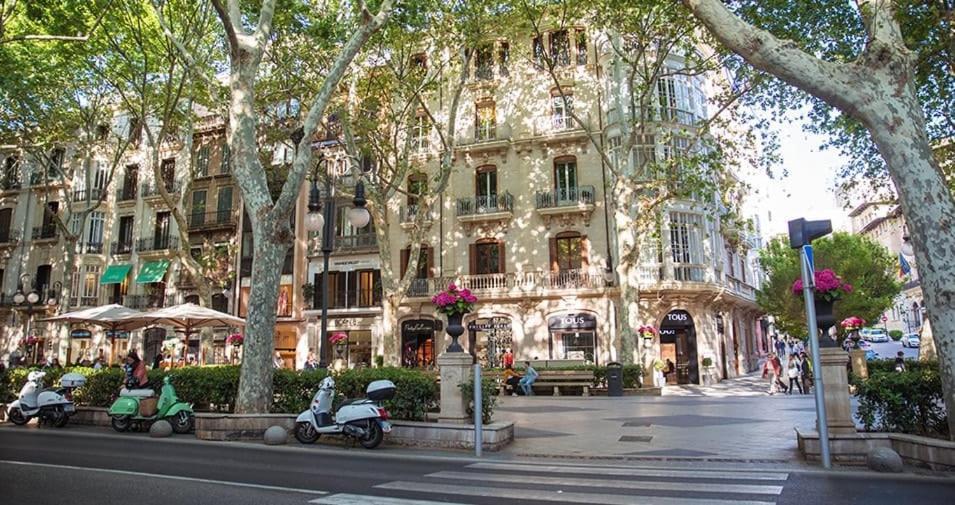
(455, 369)
(836, 385)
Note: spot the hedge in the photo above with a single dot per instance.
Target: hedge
(214, 388)
(489, 392)
(907, 402)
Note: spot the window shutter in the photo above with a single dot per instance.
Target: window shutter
(584, 252)
(472, 259)
(554, 265)
(430, 262)
(500, 257)
(404, 261)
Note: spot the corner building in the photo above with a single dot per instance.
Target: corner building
(525, 225)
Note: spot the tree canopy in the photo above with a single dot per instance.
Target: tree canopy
(859, 261)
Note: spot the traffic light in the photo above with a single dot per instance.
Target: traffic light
(802, 232)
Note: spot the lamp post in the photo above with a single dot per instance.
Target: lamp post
(358, 216)
(30, 298)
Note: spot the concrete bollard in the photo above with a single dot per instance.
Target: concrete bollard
(276, 435)
(160, 429)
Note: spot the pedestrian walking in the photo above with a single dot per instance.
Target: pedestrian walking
(795, 373)
(807, 381)
(772, 369)
(507, 360)
(900, 362)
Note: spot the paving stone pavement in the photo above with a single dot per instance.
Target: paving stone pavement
(734, 420)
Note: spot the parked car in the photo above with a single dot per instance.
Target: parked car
(875, 334)
(910, 340)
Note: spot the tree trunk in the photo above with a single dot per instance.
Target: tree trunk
(389, 329)
(255, 379)
(898, 130)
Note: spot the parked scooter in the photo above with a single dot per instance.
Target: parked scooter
(49, 405)
(362, 419)
(139, 406)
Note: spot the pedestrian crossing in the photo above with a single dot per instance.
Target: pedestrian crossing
(489, 482)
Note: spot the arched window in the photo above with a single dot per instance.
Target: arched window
(487, 257)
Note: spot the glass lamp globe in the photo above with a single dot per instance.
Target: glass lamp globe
(359, 217)
(18, 298)
(51, 302)
(907, 249)
(314, 221)
(33, 297)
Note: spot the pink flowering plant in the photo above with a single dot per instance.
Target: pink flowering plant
(454, 300)
(337, 338)
(235, 339)
(829, 286)
(647, 331)
(852, 323)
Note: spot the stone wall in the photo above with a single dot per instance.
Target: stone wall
(851, 449)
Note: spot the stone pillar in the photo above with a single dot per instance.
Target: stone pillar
(859, 365)
(836, 385)
(455, 369)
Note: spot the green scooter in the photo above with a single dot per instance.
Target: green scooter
(126, 410)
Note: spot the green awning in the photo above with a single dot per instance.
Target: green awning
(152, 271)
(115, 274)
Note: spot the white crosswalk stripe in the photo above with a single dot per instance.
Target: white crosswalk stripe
(571, 484)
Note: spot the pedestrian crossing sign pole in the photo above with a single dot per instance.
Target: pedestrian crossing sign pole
(801, 235)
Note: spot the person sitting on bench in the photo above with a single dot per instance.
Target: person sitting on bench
(511, 379)
(530, 375)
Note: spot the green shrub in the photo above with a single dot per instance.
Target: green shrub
(293, 391)
(488, 397)
(907, 402)
(101, 386)
(416, 392)
(888, 365)
(895, 334)
(707, 362)
(207, 387)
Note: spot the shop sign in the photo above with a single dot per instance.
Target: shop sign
(572, 322)
(344, 322)
(81, 334)
(117, 334)
(677, 319)
(489, 325)
(667, 331)
(418, 326)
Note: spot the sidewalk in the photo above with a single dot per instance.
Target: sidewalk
(735, 420)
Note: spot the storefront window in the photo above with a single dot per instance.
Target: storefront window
(417, 343)
(573, 336)
(577, 345)
(488, 339)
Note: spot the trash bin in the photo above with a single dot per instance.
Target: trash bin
(614, 379)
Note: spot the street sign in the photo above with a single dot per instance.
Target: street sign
(885, 318)
(810, 262)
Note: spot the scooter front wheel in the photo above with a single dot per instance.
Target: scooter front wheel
(16, 417)
(306, 433)
(373, 435)
(182, 423)
(120, 423)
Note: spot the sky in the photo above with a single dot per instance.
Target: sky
(807, 190)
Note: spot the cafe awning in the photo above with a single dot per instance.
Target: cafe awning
(152, 271)
(115, 274)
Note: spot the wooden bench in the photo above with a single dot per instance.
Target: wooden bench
(565, 378)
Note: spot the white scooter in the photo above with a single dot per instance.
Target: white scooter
(52, 405)
(363, 419)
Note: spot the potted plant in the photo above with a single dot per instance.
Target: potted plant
(340, 341)
(647, 332)
(852, 325)
(829, 288)
(709, 374)
(308, 292)
(235, 339)
(455, 304)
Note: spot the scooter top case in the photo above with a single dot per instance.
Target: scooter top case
(380, 390)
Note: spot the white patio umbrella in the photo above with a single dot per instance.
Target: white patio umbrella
(112, 317)
(186, 318)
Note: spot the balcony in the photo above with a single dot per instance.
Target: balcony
(87, 195)
(560, 126)
(408, 215)
(121, 248)
(740, 287)
(212, 220)
(39, 179)
(156, 244)
(355, 243)
(518, 285)
(565, 206)
(486, 140)
(45, 232)
(142, 302)
(126, 195)
(10, 238)
(151, 191)
(484, 210)
(90, 248)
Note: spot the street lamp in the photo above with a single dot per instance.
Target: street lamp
(358, 216)
(31, 298)
(54, 294)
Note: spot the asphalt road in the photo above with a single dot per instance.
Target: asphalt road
(81, 467)
(888, 350)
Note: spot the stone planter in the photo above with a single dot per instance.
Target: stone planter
(235, 427)
(851, 449)
(455, 329)
(710, 377)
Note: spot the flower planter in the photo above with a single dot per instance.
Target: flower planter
(826, 320)
(455, 329)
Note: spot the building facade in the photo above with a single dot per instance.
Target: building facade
(525, 224)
